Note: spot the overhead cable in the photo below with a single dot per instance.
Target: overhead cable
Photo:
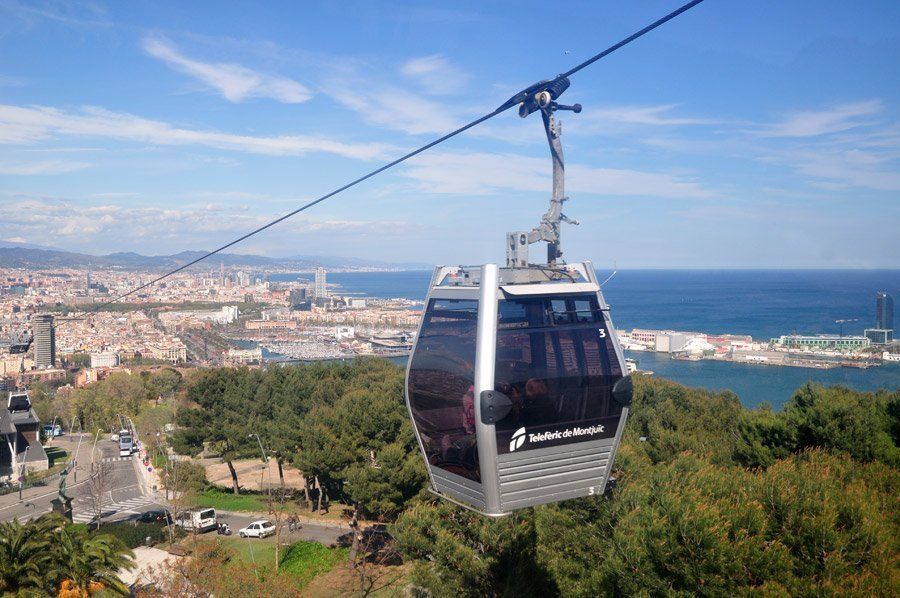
(514, 100)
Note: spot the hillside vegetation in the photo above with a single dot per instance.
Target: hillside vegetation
(710, 498)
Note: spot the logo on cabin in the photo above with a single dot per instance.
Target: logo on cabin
(518, 439)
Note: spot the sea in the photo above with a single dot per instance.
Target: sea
(761, 303)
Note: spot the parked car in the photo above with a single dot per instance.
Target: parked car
(159, 516)
(258, 529)
(51, 431)
(198, 520)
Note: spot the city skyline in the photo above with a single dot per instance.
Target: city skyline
(735, 136)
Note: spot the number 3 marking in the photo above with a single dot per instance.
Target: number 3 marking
(602, 333)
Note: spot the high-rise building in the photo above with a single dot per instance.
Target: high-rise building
(884, 311)
(44, 341)
(320, 291)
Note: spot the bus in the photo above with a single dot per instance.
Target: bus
(126, 445)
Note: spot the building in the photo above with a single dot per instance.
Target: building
(879, 336)
(106, 359)
(270, 324)
(174, 352)
(644, 336)
(670, 342)
(44, 341)
(344, 332)
(320, 290)
(822, 341)
(884, 311)
(20, 445)
(244, 356)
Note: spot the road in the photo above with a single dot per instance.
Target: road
(308, 531)
(121, 493)
(122, 497)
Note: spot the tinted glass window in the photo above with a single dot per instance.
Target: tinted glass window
(557, 362)
(441, 386)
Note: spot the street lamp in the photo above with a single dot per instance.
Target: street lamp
(94, 447)
(261, 449)
(265, 466)
(22, 470)
(75, 457)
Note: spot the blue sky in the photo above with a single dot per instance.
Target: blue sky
(742, 134)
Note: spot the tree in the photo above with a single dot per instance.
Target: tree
(224, 418)
(87, 560)
(24, 554)
(460, 553)
(362, 447)
(163, 384)
(97, 485)
(81, 360)
(49, 555)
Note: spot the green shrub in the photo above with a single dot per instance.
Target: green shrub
(134, 534)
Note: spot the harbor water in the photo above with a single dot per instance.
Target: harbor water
(760, 303)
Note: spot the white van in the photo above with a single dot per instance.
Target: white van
(197, 520)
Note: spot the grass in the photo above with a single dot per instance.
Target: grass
(306, 560)
(226, 501)
(253, 550)
(301, 560)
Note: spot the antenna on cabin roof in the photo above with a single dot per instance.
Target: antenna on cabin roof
(542, 96)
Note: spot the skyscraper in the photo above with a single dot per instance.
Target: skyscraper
(884, 311)
(320, 290)
(44, 341)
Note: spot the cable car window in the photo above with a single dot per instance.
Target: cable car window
(441, 386)
(558, 371)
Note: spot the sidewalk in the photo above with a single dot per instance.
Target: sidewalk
(148, 479)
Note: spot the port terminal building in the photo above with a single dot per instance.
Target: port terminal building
(822, 341)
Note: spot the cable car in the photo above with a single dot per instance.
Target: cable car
(517, 386)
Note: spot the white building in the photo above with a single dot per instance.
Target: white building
(105, 359)
(670, 342)
(344, 332)
(320, 290)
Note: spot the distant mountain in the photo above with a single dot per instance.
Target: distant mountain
(4, 243)
(353, 262)
(20, 255)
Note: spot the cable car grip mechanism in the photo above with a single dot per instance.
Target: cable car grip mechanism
(494, 406)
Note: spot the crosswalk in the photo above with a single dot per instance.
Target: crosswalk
(83, 509)
(114, 459)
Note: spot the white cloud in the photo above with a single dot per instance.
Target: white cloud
(235, 82)
(42, 167)
(483, 174)
(392, 107)
(641, 115)
(20, 125)
(436, 74)
(850, 167)
(812, 123)
(99, 226)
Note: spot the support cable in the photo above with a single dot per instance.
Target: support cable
(514, 100)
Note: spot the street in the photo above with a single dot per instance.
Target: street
(122, 495)
(121, 492)
(314, 532)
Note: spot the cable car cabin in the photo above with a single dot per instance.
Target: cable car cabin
(517, 386)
